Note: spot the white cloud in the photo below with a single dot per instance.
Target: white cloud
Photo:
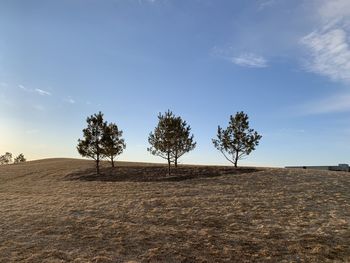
(250, 60)
(38, 91)
(70, 100)
(334, 9)
(329, 53)
(246, 59)
(328, 46)
(42, 92)
(336, 103)
(23, 88)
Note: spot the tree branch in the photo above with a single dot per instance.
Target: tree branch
(226, 157)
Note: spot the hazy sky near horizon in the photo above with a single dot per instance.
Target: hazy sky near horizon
(285, 63)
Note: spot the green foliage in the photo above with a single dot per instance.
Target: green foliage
(101, 140)
(112, 142)
(237, 140)
(171, 138)
(20, 159)
(92, 146)
(184, 141)
(6, 158)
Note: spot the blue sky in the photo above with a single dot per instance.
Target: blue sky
(285, 63)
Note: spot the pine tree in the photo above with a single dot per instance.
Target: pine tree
(184, 141)
(171, 138)
(20, 159)
(6, 158)
(92, 144)
(112, 142)
(237, 140)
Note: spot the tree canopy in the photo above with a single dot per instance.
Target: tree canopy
(6, 158)
(237, 140)
(171, 138)
(20, 159)
(112, 142)
(91, 145)
(101, 140)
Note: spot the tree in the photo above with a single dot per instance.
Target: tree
(112, 142)
(237, 140)
(92, 144)
(171, 138)
(6, 158)
(184, 141)
(20, 159)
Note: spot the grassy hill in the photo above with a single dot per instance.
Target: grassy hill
(57, 210)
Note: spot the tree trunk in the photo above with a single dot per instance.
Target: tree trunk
(98, 166)
(112, 159)
(97, 159)
(176, 157)
(169, 171)
(236, 159)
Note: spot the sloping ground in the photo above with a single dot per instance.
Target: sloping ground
(56, 210)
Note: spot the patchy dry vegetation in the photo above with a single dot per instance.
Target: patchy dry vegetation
(56, 210)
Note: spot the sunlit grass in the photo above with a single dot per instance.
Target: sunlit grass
(48, 214)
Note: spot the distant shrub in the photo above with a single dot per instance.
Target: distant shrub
(20, 159)
(6, 158)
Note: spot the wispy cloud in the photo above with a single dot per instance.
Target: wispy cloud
(329, 53)
(245, 59)
(23, 88)
(333, 10)
(42, 92)
(328, 46)
(250, 60)
(336, 103)
(70, 100)
(37, 91)
(265, 4)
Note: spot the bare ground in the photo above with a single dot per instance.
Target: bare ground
(58, 210)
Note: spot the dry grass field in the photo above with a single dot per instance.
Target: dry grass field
(57, 210)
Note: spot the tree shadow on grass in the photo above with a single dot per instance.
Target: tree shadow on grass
(155, 173)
